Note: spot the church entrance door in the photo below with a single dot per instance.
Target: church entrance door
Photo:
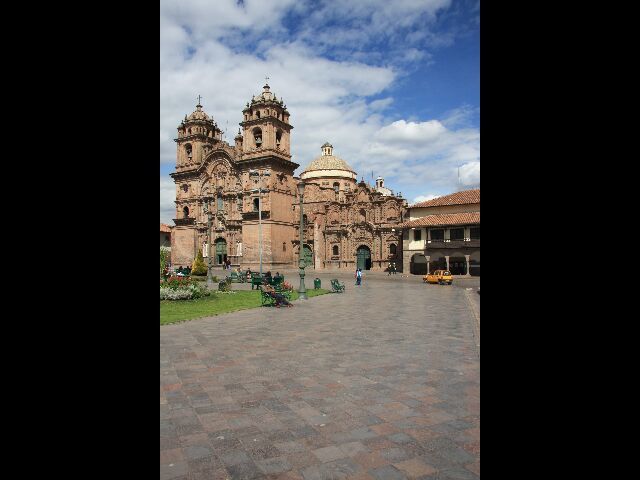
(221, 251)
(363, 256)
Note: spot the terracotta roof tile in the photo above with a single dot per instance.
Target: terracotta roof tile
(165, 228)
(442, 219)
(458, 198)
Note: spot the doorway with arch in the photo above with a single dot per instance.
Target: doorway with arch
(221, 251)
(363, 258)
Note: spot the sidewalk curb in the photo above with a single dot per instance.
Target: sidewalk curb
(476, 317)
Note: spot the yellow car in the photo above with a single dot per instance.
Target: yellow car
(439, 276)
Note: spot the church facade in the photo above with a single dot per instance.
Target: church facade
(251, 188)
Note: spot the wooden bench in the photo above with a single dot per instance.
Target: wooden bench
(285, 293)
(336, 286)
(238, 277)
(256, 280)
(265, 298)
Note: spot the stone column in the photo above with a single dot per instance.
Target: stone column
(428, 257)
(468, 265)
(406, 261)
(447, 258)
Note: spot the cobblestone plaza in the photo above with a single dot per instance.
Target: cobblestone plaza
(381, 382)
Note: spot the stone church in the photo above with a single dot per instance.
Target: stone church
(347, 223)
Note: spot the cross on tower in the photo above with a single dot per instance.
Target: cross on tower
(199, 98)
(267, 79)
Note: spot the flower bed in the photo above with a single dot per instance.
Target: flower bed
(181, 288)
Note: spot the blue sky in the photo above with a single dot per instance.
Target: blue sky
(393, 85)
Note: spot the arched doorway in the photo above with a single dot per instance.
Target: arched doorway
(308, 256)
(221, 251)
(418, 264)
(457, 263)
(437, 261)
(363, 256)
(474, 264)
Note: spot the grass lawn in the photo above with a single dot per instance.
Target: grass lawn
(172, 311)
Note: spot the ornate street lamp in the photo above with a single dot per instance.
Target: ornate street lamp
(302, 291)
(207, 210)
(256, 173)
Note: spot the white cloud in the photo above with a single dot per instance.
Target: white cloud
(400, 132)
(167, 197)
(224, 51)
(424, 198)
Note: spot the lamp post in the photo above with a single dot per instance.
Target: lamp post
(256, 173)
(302, 291)
(207, 210)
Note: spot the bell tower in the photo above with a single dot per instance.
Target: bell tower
(197, 135)
(265, 127)
(264, 158)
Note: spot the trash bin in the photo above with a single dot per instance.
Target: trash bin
(316, 283)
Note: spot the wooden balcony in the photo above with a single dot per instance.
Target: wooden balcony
(463, 243)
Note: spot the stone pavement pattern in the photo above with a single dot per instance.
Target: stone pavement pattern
(381, 382)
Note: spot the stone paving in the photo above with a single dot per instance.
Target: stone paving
(381, 382)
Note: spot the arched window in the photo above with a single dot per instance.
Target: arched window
(363, 215)
(336, 187)
(258, 113)
(335, 249)
(278, 137)
(392, 249)
(256, 204)
(187, 148)
(257, 136)
(185, 212)
(220, 204)
(189, 131)
(284, 246)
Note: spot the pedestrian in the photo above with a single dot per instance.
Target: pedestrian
(389, 269)
(358, 277)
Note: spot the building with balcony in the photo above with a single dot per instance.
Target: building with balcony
(443, 233)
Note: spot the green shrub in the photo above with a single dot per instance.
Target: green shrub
(165, 256)
(199, 267)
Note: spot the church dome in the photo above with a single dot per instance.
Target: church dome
(198, 114)
(266, 96)
(328, 164)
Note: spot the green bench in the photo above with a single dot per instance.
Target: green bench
(256, 280)
(285, 293)
(336, 286)
(265, 298)
(238, 277)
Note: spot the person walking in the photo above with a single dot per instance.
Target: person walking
(358, 277)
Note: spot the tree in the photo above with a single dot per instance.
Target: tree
(199, 267)
(165, 255)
